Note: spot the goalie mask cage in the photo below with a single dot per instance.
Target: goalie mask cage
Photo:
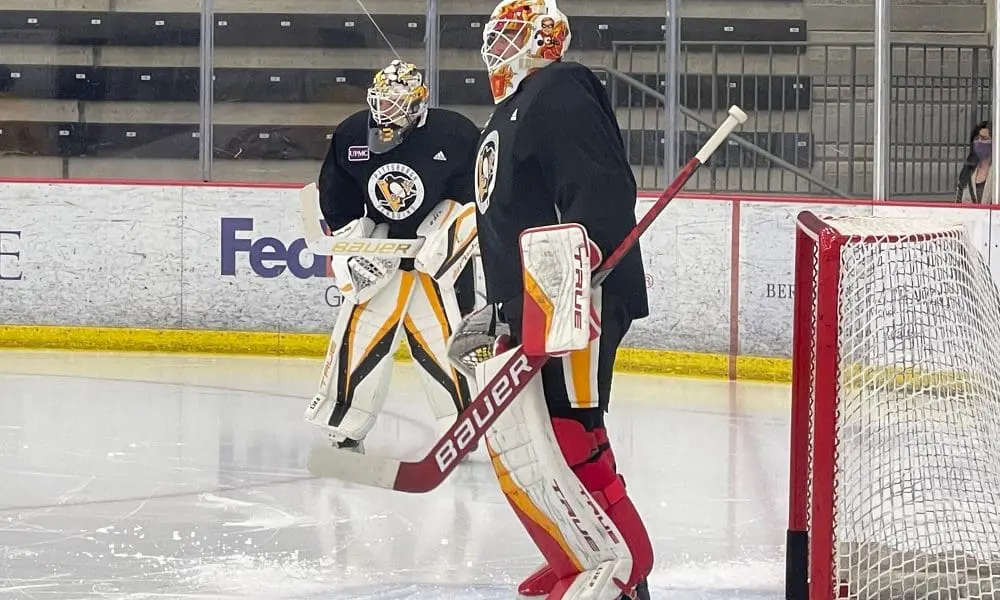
(895, 422)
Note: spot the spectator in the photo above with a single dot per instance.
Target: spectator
(975, 184)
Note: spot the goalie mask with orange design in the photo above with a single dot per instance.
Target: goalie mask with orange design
(521, 37)
(397, 101)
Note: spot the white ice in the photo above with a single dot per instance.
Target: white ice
(127, 476)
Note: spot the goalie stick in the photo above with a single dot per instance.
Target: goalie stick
(462, 438)
(320, 243)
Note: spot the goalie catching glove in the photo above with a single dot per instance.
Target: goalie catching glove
(450, 241)
(559, 313)
(359, 278)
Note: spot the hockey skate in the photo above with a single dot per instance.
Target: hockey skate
(342, 443)
(539, 584)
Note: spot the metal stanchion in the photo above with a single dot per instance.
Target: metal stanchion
(880, 191)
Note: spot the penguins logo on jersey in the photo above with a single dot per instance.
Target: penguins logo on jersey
(396, 190)
(486, 170)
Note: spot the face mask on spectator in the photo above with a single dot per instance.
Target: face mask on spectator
(983, 148)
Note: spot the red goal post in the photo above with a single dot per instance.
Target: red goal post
(895, 420)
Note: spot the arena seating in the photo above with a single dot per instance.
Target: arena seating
(91, 28)
(82, 85)
(180, 84)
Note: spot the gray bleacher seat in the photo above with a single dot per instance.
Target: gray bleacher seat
(598, 33)
(93, 28)
(93, 80)
(746, 30)
(141, 140)
(101, 84)
(645, 147)
(319, 31)
(262, 142)
(279, 85)
(32, 138)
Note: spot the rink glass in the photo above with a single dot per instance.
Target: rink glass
(87, 94)
(309, 66)
(118, 94)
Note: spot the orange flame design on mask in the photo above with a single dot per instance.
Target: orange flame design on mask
(501, 80)
(521, 10)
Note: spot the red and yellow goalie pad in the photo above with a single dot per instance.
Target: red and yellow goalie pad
(556, 266)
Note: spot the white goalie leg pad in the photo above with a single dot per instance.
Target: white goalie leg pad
(430, 322)
(450, 241)
(359, 278)
(577, 538)
(557, 262)
(358, 365)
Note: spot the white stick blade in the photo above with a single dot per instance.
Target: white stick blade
(738, 114)
(309, 211)
(327, 461)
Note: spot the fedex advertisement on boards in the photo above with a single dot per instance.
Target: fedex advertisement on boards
(270, 257)
(10, 255)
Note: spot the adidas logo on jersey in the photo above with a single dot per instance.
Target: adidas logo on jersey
(513, 116)
(440, 155)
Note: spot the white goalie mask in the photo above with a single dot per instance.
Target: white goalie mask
(521, 37)
(397, 101)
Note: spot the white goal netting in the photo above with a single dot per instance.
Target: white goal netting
(917, 460)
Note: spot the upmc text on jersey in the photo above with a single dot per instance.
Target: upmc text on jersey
(270, 258)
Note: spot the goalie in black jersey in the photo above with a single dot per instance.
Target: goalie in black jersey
(397, 170)
(555, 188)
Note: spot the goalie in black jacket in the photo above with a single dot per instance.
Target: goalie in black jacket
(554, 187)
(397, 170)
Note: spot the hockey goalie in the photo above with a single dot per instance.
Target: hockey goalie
(397, 170)
(554, 188)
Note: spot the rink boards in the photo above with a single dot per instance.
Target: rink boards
(224, 268)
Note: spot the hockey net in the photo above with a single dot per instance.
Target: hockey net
(895, 444)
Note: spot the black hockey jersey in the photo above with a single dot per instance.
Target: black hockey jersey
(401, 186)
(553, 153)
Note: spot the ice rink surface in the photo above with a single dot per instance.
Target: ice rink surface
(128, 476)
